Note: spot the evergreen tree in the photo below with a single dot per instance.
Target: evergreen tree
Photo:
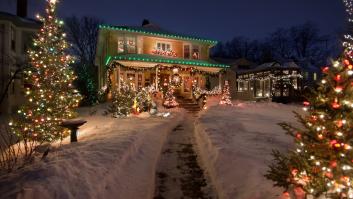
(123, 100)
(322, 161)
(226, 99)
(49, 92)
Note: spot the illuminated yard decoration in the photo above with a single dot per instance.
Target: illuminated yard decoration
(50, 94)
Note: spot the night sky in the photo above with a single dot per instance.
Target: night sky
(214, 19)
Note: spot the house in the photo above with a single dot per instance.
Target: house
(148, 55)
(16, 33)
(269, 81)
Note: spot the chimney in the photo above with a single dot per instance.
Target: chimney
(22, 8)
(145, 22)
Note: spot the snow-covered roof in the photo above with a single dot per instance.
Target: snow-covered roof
(20, 21)
(269, 66)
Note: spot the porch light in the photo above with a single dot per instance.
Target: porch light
(175, 70)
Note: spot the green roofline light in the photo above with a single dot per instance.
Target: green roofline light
(102, 26)
(164, 60)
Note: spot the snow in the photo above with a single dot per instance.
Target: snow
(235, 145)
(114, 158)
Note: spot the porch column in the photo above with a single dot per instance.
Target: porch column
(220, 79)
(118, 76)
(156, 81)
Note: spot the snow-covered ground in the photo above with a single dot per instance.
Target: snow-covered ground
(235, 145)
(114, 158)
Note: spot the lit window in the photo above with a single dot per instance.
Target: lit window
(196, 52)
(186, 51)
(131, 44)
(243, 86)
(163, 46)
(126, 45)
(314, 76)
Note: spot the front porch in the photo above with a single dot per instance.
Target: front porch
(160, 72)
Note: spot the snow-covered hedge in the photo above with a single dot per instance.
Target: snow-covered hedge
(114, 158)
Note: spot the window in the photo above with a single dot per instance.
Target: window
(259, 88)
(121, 42)
(243, 86)
(186, 51)
(196, 52)
(163, 46)
(126, 44)
(314, 76)
(306, 75)
(13, 39)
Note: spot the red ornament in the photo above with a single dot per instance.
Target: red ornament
(335, 105)
(306, 103)
(298, 136)
(325, 69)
(338, 78)
(339, 89)
(346, 61)
(339, 123)
(333, 164)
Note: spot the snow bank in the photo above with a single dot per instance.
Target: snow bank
(114, 158)
(235, 145)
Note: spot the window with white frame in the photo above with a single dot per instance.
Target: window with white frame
(243, 86)
(163, 46)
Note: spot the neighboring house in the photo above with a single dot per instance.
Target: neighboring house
(311, 74)
(148, 55)
(268, 81)
(16, 33)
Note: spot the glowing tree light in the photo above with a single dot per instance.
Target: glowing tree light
(226, 99)
(169, 98)
(322, 162)
(49, 92)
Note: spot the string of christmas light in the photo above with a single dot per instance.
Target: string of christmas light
(50, 95)
(348, 43)
(322, 162)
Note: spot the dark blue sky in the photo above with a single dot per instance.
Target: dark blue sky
(215, 19)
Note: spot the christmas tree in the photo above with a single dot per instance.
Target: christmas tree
(123, 100)
(49, 89)
(169, 98)
(322, 162)
(226, 99)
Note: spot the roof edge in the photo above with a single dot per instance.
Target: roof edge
(173, 36)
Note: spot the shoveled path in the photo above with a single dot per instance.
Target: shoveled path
(179, 175)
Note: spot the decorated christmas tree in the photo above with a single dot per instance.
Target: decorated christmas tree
(49, 89)
(123, 100)
(321, 163)
(226, 99)
(169, 98)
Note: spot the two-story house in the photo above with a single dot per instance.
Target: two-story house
(16, 33)
(148, 55)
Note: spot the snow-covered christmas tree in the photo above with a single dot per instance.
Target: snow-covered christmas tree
(226, 99)
(50, 94)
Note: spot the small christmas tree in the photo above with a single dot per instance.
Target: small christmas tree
(144, 100)
(123, 100)
(226, 99)
(169, 98)
(50, 94)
